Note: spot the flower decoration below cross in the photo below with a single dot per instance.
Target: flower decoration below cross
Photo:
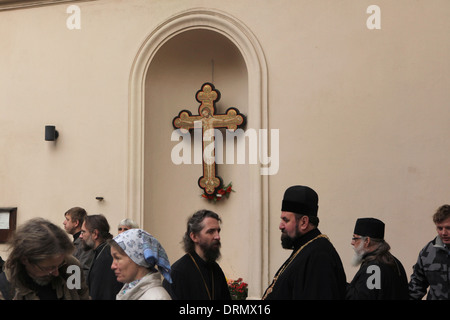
(221, 193)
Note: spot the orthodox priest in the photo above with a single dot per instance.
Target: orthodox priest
(381, 276)
(197, 275)
(314, 269)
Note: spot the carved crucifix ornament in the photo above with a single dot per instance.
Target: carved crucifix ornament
(208, 120)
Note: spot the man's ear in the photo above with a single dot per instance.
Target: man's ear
(95, 234)
(193, 237)
(303, 223)
(367, 242)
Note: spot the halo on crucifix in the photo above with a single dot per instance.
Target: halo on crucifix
(208, 120)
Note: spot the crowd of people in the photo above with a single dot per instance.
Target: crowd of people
(133, 265)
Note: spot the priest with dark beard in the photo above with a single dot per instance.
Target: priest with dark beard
(197, 275)
(314, 269)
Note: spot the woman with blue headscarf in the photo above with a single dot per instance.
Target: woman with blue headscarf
(137, 258)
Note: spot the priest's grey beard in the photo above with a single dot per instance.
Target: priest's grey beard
(358, 255)
(88, 244)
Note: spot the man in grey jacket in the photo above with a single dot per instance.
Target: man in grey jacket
(433, 265)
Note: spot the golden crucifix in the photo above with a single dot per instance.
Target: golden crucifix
(208, 120)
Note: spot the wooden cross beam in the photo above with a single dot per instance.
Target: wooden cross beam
(207, 96)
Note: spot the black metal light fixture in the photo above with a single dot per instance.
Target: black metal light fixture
(51, 134)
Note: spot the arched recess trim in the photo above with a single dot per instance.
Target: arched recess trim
(257, 118)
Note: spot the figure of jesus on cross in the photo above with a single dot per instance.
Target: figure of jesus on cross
(208, 120)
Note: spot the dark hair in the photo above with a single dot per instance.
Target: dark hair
(36, 240)
(443, 213)
(76, 214)
(98, 222)
(382, 253)
(314, 220)
(195, 225)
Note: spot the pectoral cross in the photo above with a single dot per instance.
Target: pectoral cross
(208, 120)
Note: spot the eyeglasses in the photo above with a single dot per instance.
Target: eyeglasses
(123, 229)
(356, 238)
(50, 269)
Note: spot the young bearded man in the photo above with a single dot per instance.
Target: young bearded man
(197, 275)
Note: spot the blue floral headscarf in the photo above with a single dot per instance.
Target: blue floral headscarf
(144, 250)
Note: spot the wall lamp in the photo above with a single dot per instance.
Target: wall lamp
(51, 134)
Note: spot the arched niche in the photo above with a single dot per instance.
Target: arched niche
(222, 28)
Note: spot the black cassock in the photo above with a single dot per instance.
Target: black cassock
(315, 273)
(392, 285)
(102, 281)
(189, 280)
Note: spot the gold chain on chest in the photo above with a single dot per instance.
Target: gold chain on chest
(269, 290)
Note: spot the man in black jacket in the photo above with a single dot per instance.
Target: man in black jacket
(197, 275)
(381, 276)
(102, 281)
(314, 270)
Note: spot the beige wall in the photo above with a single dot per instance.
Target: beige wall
(363, 114)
